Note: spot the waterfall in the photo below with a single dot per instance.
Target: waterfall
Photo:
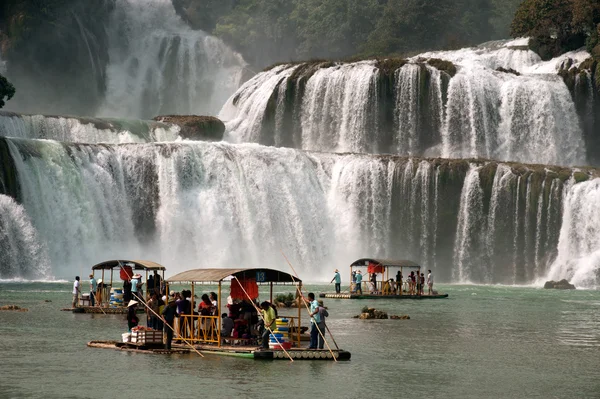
(187, 204)
(85, 130)
(410, 108)
(158, 65)
(22, 253)
(578, 257)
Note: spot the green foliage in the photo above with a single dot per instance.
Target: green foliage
(557, 26)
(272, 31)
(284, 298)
(7, 90)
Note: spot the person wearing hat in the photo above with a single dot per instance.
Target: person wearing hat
(132, 319)
(359, 282)
(338, 281)
(169, 313)
(136, 285)
(93, 288)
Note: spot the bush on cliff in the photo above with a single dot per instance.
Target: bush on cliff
(7, 90)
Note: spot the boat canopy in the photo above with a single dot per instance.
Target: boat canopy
(134, 264)
(385, 263)
(214, 275)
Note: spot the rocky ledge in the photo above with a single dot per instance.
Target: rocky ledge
(194, 127)
(559, 285)
(13, 308)
(372, 313)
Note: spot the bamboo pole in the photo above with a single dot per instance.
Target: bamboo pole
(302, 297)
(262, 317)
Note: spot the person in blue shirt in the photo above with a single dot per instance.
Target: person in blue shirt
(338, 281)
(315, 319)
(358, 282)
(93, 288)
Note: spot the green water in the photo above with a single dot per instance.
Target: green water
(481, 342)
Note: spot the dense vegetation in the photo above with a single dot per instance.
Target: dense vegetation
(7, 90)
(557, 26)
(268, 31)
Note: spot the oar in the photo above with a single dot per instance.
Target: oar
(262, 317)
(300, 292)
(94, 296)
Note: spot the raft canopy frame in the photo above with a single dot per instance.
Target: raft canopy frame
(216, 276)
(140, 265)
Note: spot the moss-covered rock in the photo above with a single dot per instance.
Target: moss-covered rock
(194, 127)
(443, 65)
(508, 70)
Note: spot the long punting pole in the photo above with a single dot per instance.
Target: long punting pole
(160, 317)
(261, 316)
(302, 298)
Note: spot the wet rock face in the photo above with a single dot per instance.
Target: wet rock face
(559, 285)
(194, 127)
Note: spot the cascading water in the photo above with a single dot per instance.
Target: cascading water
(21, 251)
(522, 113)
(195, 204)
(578, 257)
(158, 65)
(85, 130)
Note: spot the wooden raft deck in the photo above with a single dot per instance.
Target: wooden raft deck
(99, 310)
(248, 352)
(370, 296)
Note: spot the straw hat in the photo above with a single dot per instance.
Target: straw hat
(359, 272)
(336, 270)
(131, 303)
(91, 275)
(320, 302)
(137, 275)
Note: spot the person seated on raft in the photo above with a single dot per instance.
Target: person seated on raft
(387, 289)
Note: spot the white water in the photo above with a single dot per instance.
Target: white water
(159, 65)
(196, 204)
(72, 129)
(489, 114)
(579, 245)
(23, 253)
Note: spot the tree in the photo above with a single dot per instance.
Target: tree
(6, 90)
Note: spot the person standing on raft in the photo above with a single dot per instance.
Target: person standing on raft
(338, 281)
(76, 292)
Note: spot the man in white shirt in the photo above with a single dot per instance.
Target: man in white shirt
(76, 291)
(430, 283)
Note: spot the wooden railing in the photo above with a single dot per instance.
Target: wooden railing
(198, 329)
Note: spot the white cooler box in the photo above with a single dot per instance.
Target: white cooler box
(147, 337)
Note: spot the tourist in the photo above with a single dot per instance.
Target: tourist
(93, 288)
(136, 286)
(323, 313)
(205, 307)
(430, 283)
(353, 284)
(399, 281)
(387, 287)
(413, 283)
(269, 317)
(338, 281)
(99, 291)
(126, 291)
(228, 325)
(316, 319)
(422, 284)
(76, 292)
(213, 299)
(374, 283)
(132, 319)
(359, 282)
(169, 313)
(153, 311)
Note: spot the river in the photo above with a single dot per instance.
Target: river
(481, 342)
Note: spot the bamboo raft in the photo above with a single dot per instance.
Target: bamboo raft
(371, 296)
(248, 352)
